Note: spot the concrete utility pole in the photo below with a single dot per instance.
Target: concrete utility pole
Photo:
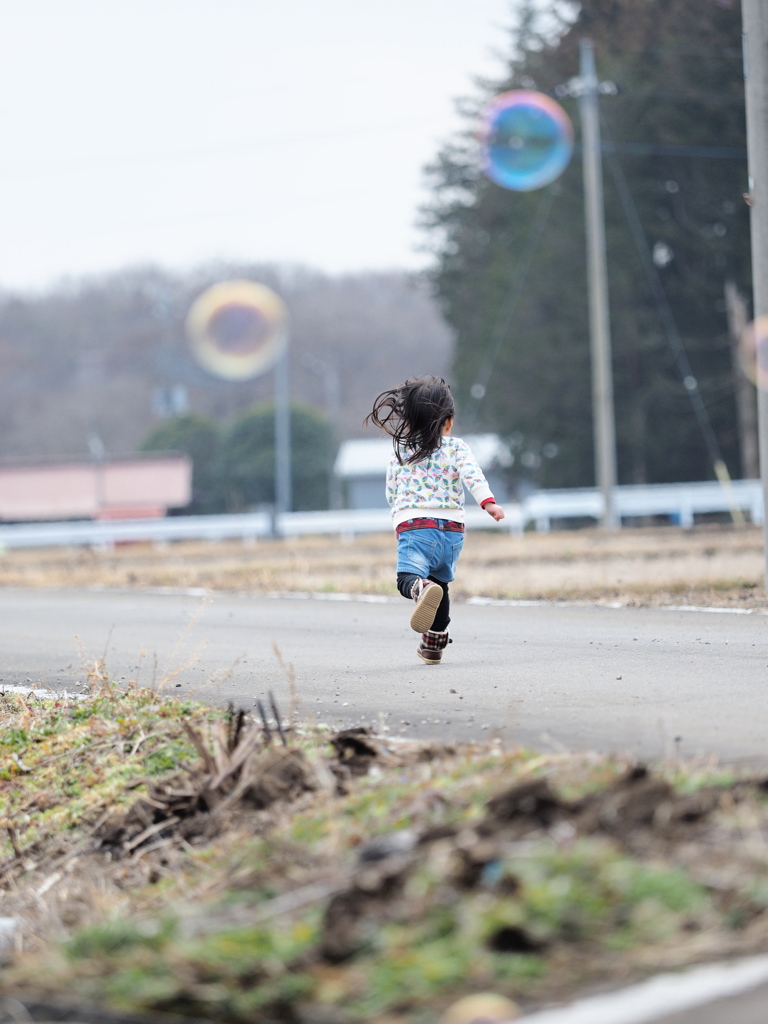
(599, 319)
(755, 24)
(283, 496)
(586, 88)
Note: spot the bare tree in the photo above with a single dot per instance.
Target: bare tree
(100, 361)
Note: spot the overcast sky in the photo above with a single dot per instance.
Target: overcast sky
(179, 131)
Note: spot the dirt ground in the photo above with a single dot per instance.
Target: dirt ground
(709, 565)
(164, 858)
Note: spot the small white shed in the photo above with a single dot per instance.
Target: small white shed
(361, 468)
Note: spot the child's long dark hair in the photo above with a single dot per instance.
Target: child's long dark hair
(414, 414)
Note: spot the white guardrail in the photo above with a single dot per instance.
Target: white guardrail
(680, 502)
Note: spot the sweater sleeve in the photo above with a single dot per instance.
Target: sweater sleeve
(391, 490)
(471, 475)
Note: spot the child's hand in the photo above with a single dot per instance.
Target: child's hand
(494, 511)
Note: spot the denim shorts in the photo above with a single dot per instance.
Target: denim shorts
(429, 552)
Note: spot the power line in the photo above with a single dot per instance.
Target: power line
(655, 149)
(658, 149)
(254, 146)
(708, 98)
(690, 383)
(728, 52)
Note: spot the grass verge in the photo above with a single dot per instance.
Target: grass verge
(708, 565)
(166, 857)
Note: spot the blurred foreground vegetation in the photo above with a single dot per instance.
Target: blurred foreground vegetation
(160, 855)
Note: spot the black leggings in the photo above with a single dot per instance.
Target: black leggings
(405, 581)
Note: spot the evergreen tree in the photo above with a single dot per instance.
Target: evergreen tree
(246, 466)
(510, 267)
(199, 438)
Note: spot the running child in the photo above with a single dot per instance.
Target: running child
(425, 489)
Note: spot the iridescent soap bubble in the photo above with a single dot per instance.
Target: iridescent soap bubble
(527, 140)
(753, 352)
(237, 330)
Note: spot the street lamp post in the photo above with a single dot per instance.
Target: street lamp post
(238, 330)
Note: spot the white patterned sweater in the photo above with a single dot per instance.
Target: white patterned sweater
(434, 487)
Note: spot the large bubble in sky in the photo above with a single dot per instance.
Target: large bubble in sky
(527, 140)
(237, 329)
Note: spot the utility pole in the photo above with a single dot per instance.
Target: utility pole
(283, 496)
(586, 88)
(254, 316)
(599, 317)
(755, 39)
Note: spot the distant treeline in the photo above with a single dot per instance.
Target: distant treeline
(95, 365)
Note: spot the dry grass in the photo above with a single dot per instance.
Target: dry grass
(710, 566)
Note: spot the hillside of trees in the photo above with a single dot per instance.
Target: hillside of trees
(509, 269)
(96, 365)
(100, 365)
(233, 464)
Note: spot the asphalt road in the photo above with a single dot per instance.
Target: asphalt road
(644, 681)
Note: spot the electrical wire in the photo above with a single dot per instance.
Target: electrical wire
(13, 169)
(651, 149)
(690, 383)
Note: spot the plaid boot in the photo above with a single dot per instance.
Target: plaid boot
(432, 645)
(427, 596)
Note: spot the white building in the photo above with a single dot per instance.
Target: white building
(361, 468)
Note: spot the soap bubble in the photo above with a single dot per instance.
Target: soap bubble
(237, 330)
(753, 352)
(527, 140)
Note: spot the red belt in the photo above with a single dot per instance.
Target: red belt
(430, 524)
